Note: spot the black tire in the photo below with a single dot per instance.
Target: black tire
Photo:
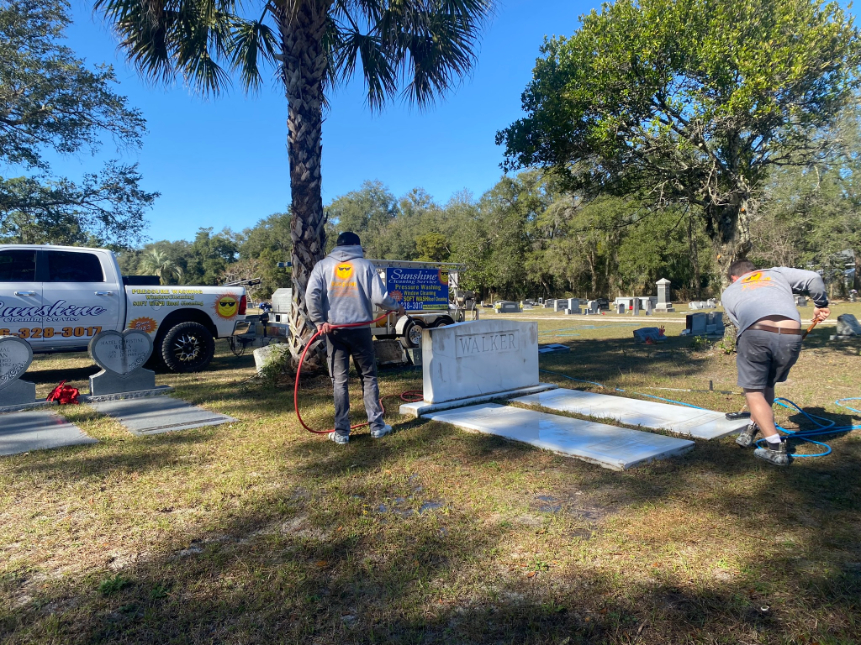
(412, 334)
(442, 322)
(187, 347)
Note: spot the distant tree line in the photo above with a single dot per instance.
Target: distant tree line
(529, 236)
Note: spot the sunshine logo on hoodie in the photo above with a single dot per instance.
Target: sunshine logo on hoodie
(342, 284)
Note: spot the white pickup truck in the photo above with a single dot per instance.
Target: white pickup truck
(58, 297)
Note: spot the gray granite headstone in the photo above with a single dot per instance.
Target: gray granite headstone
(558, 305)
(664, 302)
(848, 325)
(697, 324)
(121, 357)
(15, 357)
(648, 306)
(621, 307)
(636, 306)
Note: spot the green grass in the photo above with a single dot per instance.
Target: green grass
(258, 532)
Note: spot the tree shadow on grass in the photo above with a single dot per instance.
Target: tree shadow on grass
(96, 461)
(820, 338)
(270, 577)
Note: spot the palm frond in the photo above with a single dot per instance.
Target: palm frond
(428, 44)
(251, 41)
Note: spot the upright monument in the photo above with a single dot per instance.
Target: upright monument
(664, 302)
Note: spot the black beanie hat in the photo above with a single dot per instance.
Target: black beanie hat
(348, 239)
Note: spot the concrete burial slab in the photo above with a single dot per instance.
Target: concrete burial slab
(598, 443)
(37, 430)
(702, 424)
(159, 414)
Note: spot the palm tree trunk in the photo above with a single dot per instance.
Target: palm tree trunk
(304, 66)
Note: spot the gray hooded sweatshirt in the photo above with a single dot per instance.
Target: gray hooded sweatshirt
(344, 287)
(768, 292)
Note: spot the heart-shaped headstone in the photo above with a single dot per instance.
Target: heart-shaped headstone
(15, 357)
(121, 353)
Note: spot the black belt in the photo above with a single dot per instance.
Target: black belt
(776, 330)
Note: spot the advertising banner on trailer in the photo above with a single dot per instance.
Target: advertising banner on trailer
(419, 289)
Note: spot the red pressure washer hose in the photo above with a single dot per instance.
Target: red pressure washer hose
(409, 395)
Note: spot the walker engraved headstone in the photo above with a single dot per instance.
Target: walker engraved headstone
(15, 357)
(574, 304)
(121, 357)
(664, 302)
(478, 358)
(636, 307)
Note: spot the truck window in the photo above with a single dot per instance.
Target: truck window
(17, 266)
(68, 266)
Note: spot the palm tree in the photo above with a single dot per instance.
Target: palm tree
(156, 262)
(314, 45)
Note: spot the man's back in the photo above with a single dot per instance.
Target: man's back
(767, 293)
(344, 287)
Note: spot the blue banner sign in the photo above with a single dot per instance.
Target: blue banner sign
(419, 289)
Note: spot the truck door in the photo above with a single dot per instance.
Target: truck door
(80, 301)
(21, 310)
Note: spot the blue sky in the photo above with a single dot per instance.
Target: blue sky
(222, 162)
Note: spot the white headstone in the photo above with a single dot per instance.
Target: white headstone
(475, 358)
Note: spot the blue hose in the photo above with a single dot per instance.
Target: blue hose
(823, 424)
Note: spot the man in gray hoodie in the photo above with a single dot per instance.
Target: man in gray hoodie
(343, 288)
(760, 304)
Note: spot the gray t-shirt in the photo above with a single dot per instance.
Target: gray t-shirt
(768, 292)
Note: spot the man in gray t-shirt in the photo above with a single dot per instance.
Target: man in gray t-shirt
(760, 304)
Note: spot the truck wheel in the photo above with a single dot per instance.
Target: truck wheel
(187, 347)
(412, 337)
(442, 322)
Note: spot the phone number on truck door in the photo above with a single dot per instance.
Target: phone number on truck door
(50, 332)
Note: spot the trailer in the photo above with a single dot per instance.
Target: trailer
(430, 293)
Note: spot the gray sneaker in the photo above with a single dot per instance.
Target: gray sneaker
(340, 439)
(774, 454)
(381, 432)
(745, 438)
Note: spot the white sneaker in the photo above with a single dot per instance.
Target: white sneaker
(381, 432)
(339, 438)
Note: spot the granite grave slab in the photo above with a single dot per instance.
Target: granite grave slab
(701, 424)
(37, 430)
(608, 446)
(159, 414)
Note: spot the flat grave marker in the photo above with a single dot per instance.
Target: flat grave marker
(608, 446)
(37, 430)
(701, 424)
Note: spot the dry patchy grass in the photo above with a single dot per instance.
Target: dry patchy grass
(257, 532)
